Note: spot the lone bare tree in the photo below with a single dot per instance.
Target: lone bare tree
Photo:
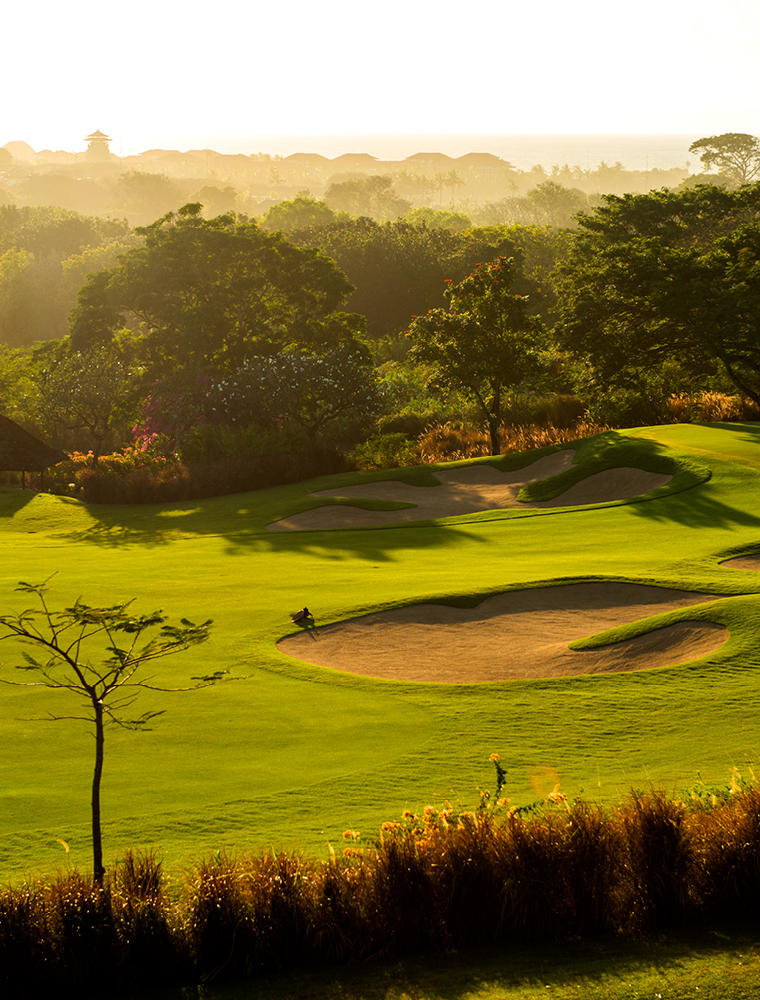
(122, 643)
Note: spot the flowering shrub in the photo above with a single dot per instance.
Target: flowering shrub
(298, 386)
(172, 408)
(253, 459)
(121, 477)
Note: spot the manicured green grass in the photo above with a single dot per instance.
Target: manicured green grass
(290, 754)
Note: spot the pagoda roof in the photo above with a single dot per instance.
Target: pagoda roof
(97, 134)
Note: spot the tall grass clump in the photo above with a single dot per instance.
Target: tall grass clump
(454, 441)
(67, 936)
(497, 876)
(710, 407)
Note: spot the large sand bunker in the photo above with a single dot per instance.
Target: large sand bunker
(468, 489)
(510, 636)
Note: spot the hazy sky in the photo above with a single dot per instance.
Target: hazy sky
(184, 74)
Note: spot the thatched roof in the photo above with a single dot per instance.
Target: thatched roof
(21, 451)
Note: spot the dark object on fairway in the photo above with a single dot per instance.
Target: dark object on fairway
(303, 617)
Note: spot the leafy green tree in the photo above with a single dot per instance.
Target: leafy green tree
(16, 385)
(144, 196)
(298, 215)
(300, 386)
(76, 194)
(54, 232)
(37, 287)
(666, 278)
(734, 154)
(106, 685)
(437, 218)
(208, 293)
(32, 298)
(86, 399)
(216, 200)
(371, 196)
(551, 204)
(77, 268)
(483, 345)
(398, 269)
(547, 204)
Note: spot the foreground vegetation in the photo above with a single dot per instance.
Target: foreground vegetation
(436, 882)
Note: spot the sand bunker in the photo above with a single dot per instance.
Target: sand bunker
(516, 635)
(468, 489)
(743, 562)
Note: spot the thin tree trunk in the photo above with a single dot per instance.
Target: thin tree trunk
(741, 385)
(493, 419)
(98, 871)
(493, 432)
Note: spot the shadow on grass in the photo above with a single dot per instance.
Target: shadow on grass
(744, 431)
(13, 500)
(611, 969)
(696, 508)
(117, 528)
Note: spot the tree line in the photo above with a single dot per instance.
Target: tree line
(320, 328)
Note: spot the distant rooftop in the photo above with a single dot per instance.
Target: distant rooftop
(435, 157)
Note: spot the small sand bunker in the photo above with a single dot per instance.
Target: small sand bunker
(517, 635)
(468, 489)
(743, 562)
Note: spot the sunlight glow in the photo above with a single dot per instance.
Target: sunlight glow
(182, 75)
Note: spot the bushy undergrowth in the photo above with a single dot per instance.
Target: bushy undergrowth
(133, 476)
(536, 422)
(453, 441)
(215, 460)
(440, 880)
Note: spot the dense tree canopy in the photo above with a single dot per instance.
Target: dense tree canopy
(438, 218)
(663, 277)
(398, 269)
(208, 293)
(38, 285)
(372, 196)
(297, 215)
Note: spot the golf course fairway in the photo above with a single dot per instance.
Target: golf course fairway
(290, 754)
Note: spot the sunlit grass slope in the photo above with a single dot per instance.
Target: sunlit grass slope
(290, 754)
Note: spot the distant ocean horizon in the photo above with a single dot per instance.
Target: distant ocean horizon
(635, 152)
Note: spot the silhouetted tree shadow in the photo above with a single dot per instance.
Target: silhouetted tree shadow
(149, 529)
